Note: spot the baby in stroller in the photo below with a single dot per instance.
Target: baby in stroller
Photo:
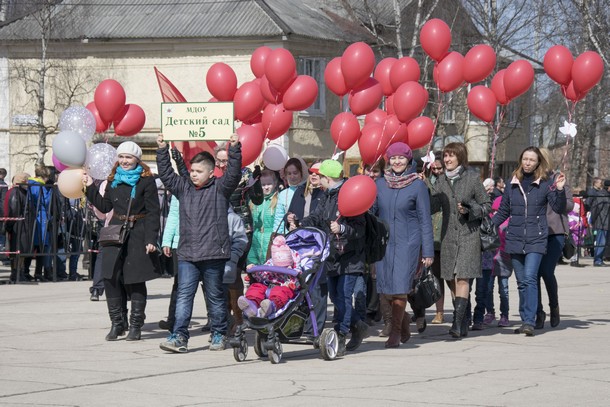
(271, 291)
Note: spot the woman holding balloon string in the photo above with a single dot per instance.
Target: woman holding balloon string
(126, 268)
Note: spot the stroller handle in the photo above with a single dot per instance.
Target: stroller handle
(275, 269)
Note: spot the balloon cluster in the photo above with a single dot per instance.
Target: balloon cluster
(266, 104)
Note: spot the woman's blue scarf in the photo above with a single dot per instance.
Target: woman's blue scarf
(129, 177)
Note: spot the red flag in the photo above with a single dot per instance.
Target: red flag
(169, 93)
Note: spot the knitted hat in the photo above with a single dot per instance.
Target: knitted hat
(331, 168)
(397, 149)
(129, 147)
(281, 255)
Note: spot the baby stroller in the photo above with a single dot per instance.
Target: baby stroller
(286, 324)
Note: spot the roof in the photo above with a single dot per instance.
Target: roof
(173, 19)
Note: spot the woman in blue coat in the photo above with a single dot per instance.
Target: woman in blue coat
(525, 203)
(404, 204)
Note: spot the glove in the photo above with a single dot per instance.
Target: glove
(256, 174)
(182, 170)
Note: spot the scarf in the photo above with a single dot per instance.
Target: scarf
(453, 173)
(129, 177)
(401, 180)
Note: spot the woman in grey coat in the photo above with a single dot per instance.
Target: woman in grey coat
(459, 193)
(404, 204)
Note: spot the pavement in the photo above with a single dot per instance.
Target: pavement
(53, 353)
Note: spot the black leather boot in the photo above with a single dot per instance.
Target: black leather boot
(458, 320)
(136, 320)
(115, 311)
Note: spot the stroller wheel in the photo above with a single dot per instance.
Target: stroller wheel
(275, 355)
(259, 340)
(329, 344)
(240, 353)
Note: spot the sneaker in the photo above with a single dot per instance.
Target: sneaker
(526, 329)
(247, 306)
(175, 343)
(477, 326)
(267, 308)
(218, 341)
(489, 319)
(503, 321)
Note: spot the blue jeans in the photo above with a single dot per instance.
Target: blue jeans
(189, 275)
(600, 245)
(546, 271)
(526, 270)
(340, 290)
(502, 291)
(360, 297)
(482, 298)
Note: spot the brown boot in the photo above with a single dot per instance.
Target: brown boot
(237, 313)
(385, 305)
(405, 333)
(398, 313)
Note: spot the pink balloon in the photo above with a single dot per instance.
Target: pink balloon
(100, 125)
(58, 164)
(376, 116)
(270, 94)
(558, 62)
(450, 73)
(356, 196)
(518, 78)
(435, 38)
(394, 130)
(276, 121)
(357, 64)
(280, 68)
(587, 71)
(482, 103)
(333, 77)
(372, 143)
(301, 94)
(382, 74)
(479, 63)
(345, 130)
(389, 104)
(366, 97)
(251, 139)
(248, 101)
(109, 99)
(404, 70)
(221, 82)
(258, 59)
(410, 100)
(497, 87)
(129, 121)
(421, 130)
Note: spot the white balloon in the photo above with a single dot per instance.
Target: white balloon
(275, 157)
(70, 149)
(101, 158)
(79, 120)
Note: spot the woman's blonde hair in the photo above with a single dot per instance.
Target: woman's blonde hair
(145, 173)
(308, 188)
(541, 172)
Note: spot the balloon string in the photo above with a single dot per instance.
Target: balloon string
(571, 111)
(377, 154)
(438, 115)
(496, 132)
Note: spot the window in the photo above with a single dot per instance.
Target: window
(314, 67)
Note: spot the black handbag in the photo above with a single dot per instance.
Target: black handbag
(490, 239)
(426, 290)
(569, 246)
(115, 235)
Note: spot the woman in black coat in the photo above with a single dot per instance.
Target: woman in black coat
(126, 268)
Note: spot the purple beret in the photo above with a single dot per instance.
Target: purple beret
(399, 149)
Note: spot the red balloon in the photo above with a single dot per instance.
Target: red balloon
(109, 99)
(356, 196)
(376, 116)
(366, 97)
(372, 143)
(280, 68)
(382, 74)
(394, 131)
(257, 61)
(212, 99)
(479, 63)
(345, 130)
(558, 62)
(389, 104)
(276, 121)
(270, 94)
(450, 73)
(421, 130)
(301, 94)
(571, 94)
(100, 125)
(254, 120)
(497, 87)
(129, 121)
(518, 78)
(404, 70)
(357, 64)
(482, 103)
(333, 77)
(410, 100)
(251, 139)
(435, 38)
(587, 71)
(221, 82)
(248, 101)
